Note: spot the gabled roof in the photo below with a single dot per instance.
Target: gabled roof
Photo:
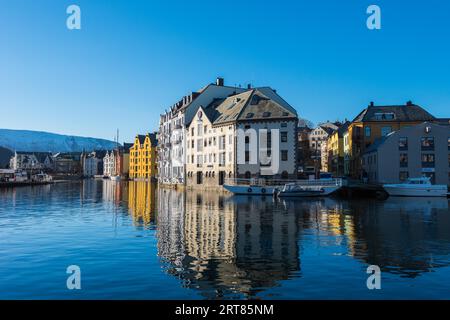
(247, 106)
(404, 113)
(141, 138)
(153, 139)
(127, 146)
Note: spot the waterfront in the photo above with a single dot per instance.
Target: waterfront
(133, 240)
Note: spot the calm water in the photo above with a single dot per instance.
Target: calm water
(135, 241)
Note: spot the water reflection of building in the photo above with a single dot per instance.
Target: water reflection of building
(226, 247)
(142, 202)
(403, 236)
(112, 191)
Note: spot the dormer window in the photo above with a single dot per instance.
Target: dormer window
(384, 116)
(249, 115)
(266, 114)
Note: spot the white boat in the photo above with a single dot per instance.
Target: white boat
(276, 187)
(115, 178)
(416, 187)
(297, 189)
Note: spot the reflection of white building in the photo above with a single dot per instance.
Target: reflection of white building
(170, 217)
(221, 246)
(109, 164)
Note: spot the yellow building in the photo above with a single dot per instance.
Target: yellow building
(335, 150)
(143, 165)
(375, 122)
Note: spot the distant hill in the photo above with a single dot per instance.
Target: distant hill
(25, 140)
(5, 155)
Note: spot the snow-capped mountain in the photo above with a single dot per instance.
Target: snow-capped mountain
(25, 140)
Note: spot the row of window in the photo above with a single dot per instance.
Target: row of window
(426, 143)
(384, 131)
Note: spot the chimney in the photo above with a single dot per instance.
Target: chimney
(371, 104)
(409, 103)
(219, 82)
(249, 86)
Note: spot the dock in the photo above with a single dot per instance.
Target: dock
(24, 184)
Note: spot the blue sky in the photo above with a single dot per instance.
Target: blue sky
(132, 59)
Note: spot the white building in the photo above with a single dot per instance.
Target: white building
(90, 164)
(31, 161)
(317, 141)
(172, 130)
(109, 164)
(248, 135)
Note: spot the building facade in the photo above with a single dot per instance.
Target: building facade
(109, 164)
(172, 130)
(143, 157)
(247, 135)
(335, 151)
(411, 152)
(31, 161)
(375, 122)
(318, 142)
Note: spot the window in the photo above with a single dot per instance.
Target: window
(266, 114)
(199, 129)
(403, 160)
(192, 131)
(283, 124)
(199, 145)
(247, 139)
(222, 143)
(427, 160)
(403, 143)
(448, 143)
(222, 159)
(384, 116)
(192, 143)
(283, 136)
(367, 131)
(427, 143)
(247, 156)
(249, 115)
(385, 131)
(284, 155)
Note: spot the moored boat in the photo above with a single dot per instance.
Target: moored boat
(282, 188)
(298, 190)
(416, 187)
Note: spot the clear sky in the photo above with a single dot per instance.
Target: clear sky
(133, 59)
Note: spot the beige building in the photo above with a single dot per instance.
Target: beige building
(236, 137)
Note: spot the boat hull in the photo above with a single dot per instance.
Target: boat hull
(250, 190)
(425, 191)
(325, 191)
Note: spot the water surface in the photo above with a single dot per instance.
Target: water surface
(135, 241)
